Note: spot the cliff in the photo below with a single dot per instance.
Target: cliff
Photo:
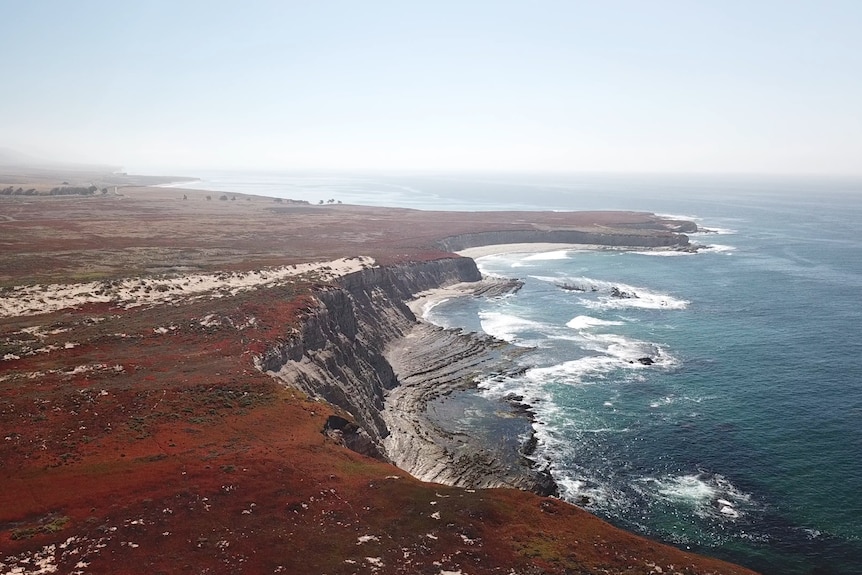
(337, 354)
(362, 349)
(140, 439)
(649, 238)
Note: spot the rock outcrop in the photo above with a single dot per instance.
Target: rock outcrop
(362, 349)
(337, 355)
(649, 239)
(432, 364)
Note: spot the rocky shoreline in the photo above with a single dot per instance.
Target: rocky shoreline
(366, 350)
(433, 365)
(141, 438)
(363, 349)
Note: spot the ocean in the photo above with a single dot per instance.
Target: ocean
(712, 400)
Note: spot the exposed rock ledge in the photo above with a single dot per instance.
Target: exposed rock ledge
(431, 363)
(650, 238)
(362, 349)
(362, 341)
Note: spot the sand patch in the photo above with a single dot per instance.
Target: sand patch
(134, 292)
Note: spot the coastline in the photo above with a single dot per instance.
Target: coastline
(437, 371)
(159, 425)
(422, 440)
(423, 302)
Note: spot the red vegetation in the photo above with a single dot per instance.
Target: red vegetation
(145, 441)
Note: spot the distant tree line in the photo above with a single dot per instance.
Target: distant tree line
(58, 191)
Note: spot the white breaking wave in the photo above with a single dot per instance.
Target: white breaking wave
(574, 371)
(614, 295)
(428, 307)
(701, 249)
(506, 326)
(706, 495)
(590, 494)
(592, 368)
(712, 231)
(495, 261)
(554, 255)
(627, 350)
(585, 322)
(718, 249)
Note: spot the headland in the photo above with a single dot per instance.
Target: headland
(214, 382)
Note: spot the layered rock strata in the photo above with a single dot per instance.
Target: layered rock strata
(337, 355)
(433, 363)
(362, 349)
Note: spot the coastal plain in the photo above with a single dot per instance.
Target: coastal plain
(196, 382)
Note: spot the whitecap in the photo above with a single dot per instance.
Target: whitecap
(812, 533)
(627, 350)
(692, 489)
(573, 372)
(729, 511)
(590, 493)
(615, 352)
(644, 300)
(706, 495)
(585, 322)
(669, 400)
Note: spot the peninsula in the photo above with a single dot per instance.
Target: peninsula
(200, 382)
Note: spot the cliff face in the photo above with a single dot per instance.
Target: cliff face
(652, 239)
(337, 355)
(362, 349)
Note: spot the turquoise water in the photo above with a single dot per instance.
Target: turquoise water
(743, 439)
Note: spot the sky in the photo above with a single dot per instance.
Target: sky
(723, 86)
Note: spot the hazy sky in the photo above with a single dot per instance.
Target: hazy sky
(651, 85)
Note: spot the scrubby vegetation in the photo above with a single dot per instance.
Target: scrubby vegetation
(63, 190)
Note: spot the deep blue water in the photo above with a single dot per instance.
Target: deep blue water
(744, 439)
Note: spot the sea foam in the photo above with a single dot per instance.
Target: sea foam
(508, 327)
(601, 294)
(586, 322)
(707, 495)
